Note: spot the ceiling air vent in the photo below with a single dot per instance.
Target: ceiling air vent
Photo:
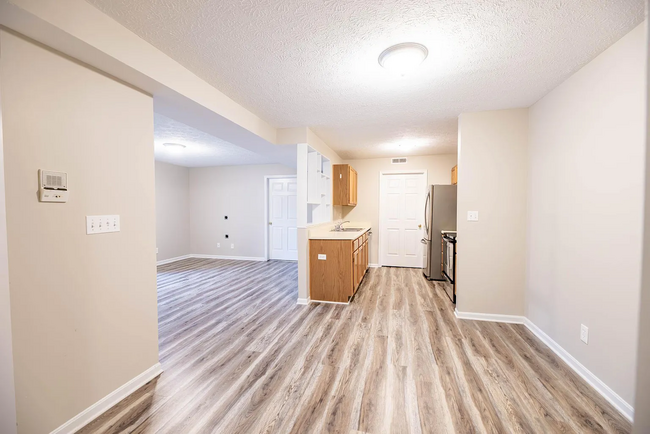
(398, 160)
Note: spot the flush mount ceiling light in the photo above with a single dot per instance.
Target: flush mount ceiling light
(403, 58)
(174, 147)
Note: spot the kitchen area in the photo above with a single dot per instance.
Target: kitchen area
(340, 252)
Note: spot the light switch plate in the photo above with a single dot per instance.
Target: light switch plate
(101, 224)
(472, 216)
(322, 257)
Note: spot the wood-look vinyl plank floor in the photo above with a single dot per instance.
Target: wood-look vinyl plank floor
(240, 356)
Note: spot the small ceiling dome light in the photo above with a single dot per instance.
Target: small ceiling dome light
(403, 58)
(174, 147)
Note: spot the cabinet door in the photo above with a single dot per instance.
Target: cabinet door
(355, 271)
(353, 187)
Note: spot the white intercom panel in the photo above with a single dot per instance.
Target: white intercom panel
(53, 186)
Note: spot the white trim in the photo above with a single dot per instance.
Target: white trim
(234, 258)
(612, 397)
(599, 386)
(304, 301)
(170, 260)
(104, 404)
(266, 210)
(394, 172)
(493, 317)
(374, 265)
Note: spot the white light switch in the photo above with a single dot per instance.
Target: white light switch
(472, 216)
(101, 224)
(322, 257)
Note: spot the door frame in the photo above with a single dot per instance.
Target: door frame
(393, 172)
(267, 178)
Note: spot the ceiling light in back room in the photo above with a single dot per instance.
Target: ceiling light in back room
(174, 147)
(403, 58)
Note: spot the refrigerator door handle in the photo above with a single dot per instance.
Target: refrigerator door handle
(426, 223)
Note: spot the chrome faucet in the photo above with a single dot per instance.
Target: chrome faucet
(338, 227)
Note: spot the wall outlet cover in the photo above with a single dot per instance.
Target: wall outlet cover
(584, 333)
(322, 257)
(232, 246)
(218, 244)
(472, 216)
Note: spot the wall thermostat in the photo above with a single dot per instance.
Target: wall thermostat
(53, 186)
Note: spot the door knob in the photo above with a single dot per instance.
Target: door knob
(419, 226)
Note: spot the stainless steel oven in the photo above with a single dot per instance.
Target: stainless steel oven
(449, 264)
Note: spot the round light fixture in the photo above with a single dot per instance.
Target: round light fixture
(174, 147)
(403, 58)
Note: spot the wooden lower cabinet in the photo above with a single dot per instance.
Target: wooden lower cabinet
(336, 268)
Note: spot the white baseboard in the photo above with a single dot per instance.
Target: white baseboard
(304, 301)
(619, 403)
(194, 255)
(170, 260)
(235, 258)
(513, 319)
(104, 404)
(374, 265)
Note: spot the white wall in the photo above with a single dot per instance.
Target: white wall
(172, 211)
(83, 308)
(438, 169)
(585, 217)
(236, 192)
(492, 160)
(642, 401)
(7, 385)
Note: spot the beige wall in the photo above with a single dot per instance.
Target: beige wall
(235, 191)
(172, 211)
(642, 401)
(438, 169)
(83, 308)
(586, 206)
(7, 385)
(492, 157)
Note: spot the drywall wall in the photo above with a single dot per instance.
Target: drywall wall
(587, 148)
(642, 401)
(172, 211)
(492, 160)
(83, 308)
(7, 386)
(438, 169)
(236, 192)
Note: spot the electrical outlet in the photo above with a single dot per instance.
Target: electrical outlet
(232, 246)
(584, 333)
(218, 244)
(472, 216)
(156, 250)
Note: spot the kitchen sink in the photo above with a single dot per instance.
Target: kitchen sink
(348, 230)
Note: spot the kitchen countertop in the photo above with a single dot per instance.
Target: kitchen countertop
(324, 231)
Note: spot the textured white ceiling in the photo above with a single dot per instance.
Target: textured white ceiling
(314, 62)
(201, 149)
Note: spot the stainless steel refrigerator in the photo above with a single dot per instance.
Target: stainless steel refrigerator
(439, 215)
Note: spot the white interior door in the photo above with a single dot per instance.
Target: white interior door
(401, 223)
(283, 232)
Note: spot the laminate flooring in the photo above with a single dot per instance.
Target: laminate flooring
(240, 356)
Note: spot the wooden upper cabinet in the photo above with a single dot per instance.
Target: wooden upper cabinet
(344, 179)
(454, 175)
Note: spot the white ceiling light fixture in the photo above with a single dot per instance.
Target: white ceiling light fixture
(174, 147)
(403, 58)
